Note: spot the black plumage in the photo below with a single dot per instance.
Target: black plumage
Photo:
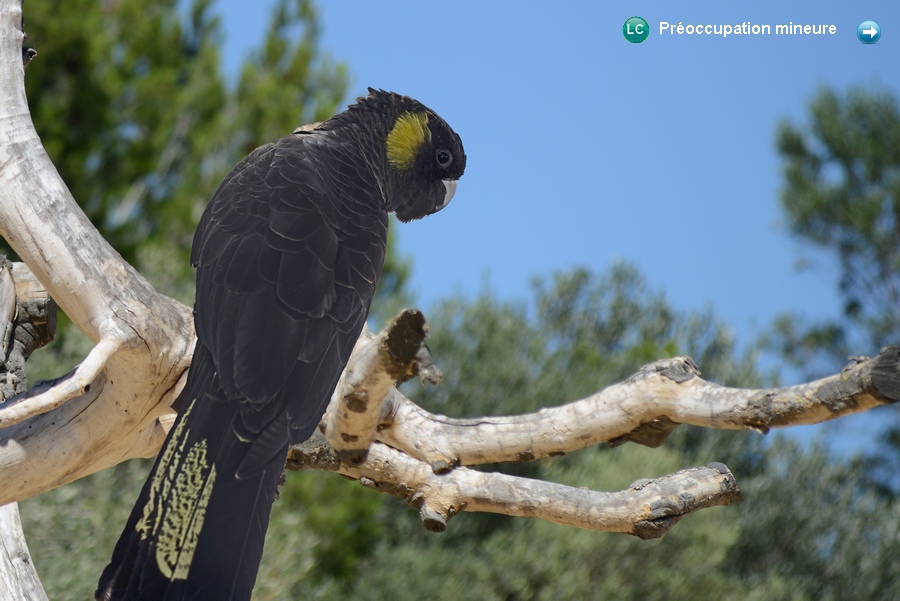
(288, 254)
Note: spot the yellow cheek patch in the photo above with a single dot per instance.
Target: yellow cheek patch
(409, 133)
(179, 494)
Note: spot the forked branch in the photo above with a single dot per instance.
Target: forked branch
(647, 509)
(418, 455)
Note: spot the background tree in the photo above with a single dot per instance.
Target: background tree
(841, 193)
(140, 119)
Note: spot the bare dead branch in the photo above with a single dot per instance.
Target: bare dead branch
(647, 509)
(377, 364)
(109, 410)
(75, 384)
(644, 409)
(18, 579)
(25, 326)
(69, 432)
(27, 322)
(35, 311)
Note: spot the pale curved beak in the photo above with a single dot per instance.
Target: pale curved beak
(450, 187)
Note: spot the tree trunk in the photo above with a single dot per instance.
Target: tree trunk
(27, 321)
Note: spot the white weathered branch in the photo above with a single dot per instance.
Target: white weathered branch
(647, 509)
(18, 579)
(26, 323)
(70, 386)
(375, 367)
(645, 409)
(143, 339)
(418, 455)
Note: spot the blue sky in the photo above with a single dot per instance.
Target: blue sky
(583, 148)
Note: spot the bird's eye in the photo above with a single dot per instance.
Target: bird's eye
(444, 158)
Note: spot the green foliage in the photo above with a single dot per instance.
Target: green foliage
(287, 82)
(132, 105)
(122, 95)
(842, 193)
(835, 539)
(71, 530)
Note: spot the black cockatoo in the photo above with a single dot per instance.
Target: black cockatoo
(288, 253)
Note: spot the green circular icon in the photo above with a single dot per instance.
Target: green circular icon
(636, 30)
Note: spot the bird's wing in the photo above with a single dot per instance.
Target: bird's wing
(287, 254)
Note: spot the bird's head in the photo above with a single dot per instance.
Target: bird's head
(421, 157)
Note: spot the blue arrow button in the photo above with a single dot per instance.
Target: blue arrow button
(868, 32)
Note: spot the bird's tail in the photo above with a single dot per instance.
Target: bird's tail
(197, 531)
